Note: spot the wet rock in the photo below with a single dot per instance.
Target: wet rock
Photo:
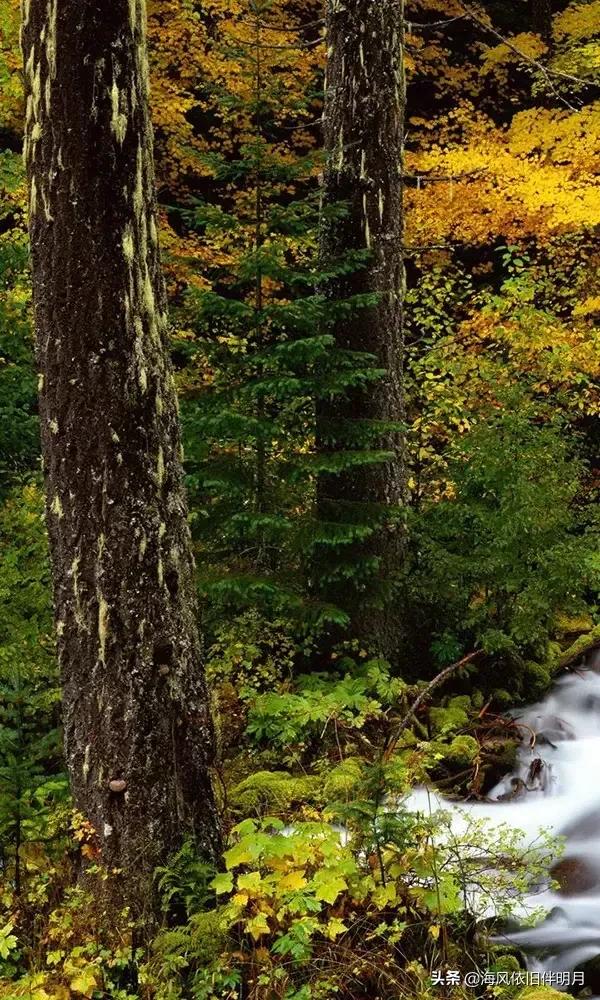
(591, 976)
(500, 758)
(574, 876)
(517, 789)
(539, 776)
(550, 729)
(593, 661)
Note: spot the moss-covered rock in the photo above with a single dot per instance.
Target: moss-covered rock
(539, 993)
(507, 963)
(340, 782)
(273, 791)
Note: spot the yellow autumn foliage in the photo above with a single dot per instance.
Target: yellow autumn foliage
(578, 21)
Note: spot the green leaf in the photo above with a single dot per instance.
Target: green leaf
(328, 885)
(222, 883)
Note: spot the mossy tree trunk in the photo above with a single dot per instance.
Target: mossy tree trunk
(138, 731)
(364, 116)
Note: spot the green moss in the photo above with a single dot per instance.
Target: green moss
(537, 678)
(209, 935)
(56, 506)
(463, 750)
(477, 699)
(204, 939)
(539, 993)
(148, 295)
(454, 716)
(573, 624)
(138, 191)
(502, 698)
(581, 646)
(507, 963)
(118, 123)
(553, 654)
(160, 467)
(268, 791)
(128, 244)
(51, 48)
(33, 197)
(342, 780)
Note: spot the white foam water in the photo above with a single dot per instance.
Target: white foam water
(554, 787)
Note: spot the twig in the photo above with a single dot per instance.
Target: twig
(240, 43)
(441, 677)
(297, 128)
(413, 251)
(432, 25)
(546, 72)
(532, 732)
(442, 178)
(292, 27)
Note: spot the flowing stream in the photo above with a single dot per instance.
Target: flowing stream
(555, 786)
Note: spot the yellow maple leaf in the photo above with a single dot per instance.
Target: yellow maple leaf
(334, 928)
(258, 926)
(85, 982)
(292, 882)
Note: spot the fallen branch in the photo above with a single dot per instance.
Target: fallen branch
(583, 644)
(439, 679)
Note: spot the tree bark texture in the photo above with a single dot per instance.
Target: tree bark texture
(138, 731)
(364, 117)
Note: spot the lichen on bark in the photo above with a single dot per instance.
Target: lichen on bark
(123, 569)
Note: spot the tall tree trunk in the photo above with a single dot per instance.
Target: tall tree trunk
(541, 16)
(364, 134)
(138, 731)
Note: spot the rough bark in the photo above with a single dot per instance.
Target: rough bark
(364, 134)
(138, 732)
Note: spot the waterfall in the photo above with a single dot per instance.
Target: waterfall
(555, 787)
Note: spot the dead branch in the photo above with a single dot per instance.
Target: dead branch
(441, 677)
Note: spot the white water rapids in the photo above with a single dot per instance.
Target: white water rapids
(555, 787)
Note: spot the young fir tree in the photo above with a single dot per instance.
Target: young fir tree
(29, 778)
(138, 732)
(268, 355)
(19, 430)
